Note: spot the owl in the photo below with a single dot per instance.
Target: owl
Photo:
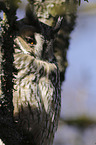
(37, 92)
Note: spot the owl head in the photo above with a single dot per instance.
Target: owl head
(38, 36)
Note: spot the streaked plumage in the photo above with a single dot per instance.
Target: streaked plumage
(37, 97)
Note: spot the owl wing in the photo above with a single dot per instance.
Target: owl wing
(46, 91)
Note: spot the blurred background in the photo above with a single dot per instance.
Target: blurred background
(78, 111)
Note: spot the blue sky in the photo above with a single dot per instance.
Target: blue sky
(79, 88)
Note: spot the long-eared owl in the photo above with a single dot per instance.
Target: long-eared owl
(37, 98)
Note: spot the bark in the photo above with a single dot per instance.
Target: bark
(8, 129)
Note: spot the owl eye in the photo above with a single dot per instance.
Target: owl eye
(30, 40)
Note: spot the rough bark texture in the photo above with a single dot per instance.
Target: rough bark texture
(8, 129)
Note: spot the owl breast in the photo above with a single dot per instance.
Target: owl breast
(36, 98)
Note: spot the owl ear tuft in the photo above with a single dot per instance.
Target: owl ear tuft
(27, 30)
(58, 25)
(32, 18)
(30, 24)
